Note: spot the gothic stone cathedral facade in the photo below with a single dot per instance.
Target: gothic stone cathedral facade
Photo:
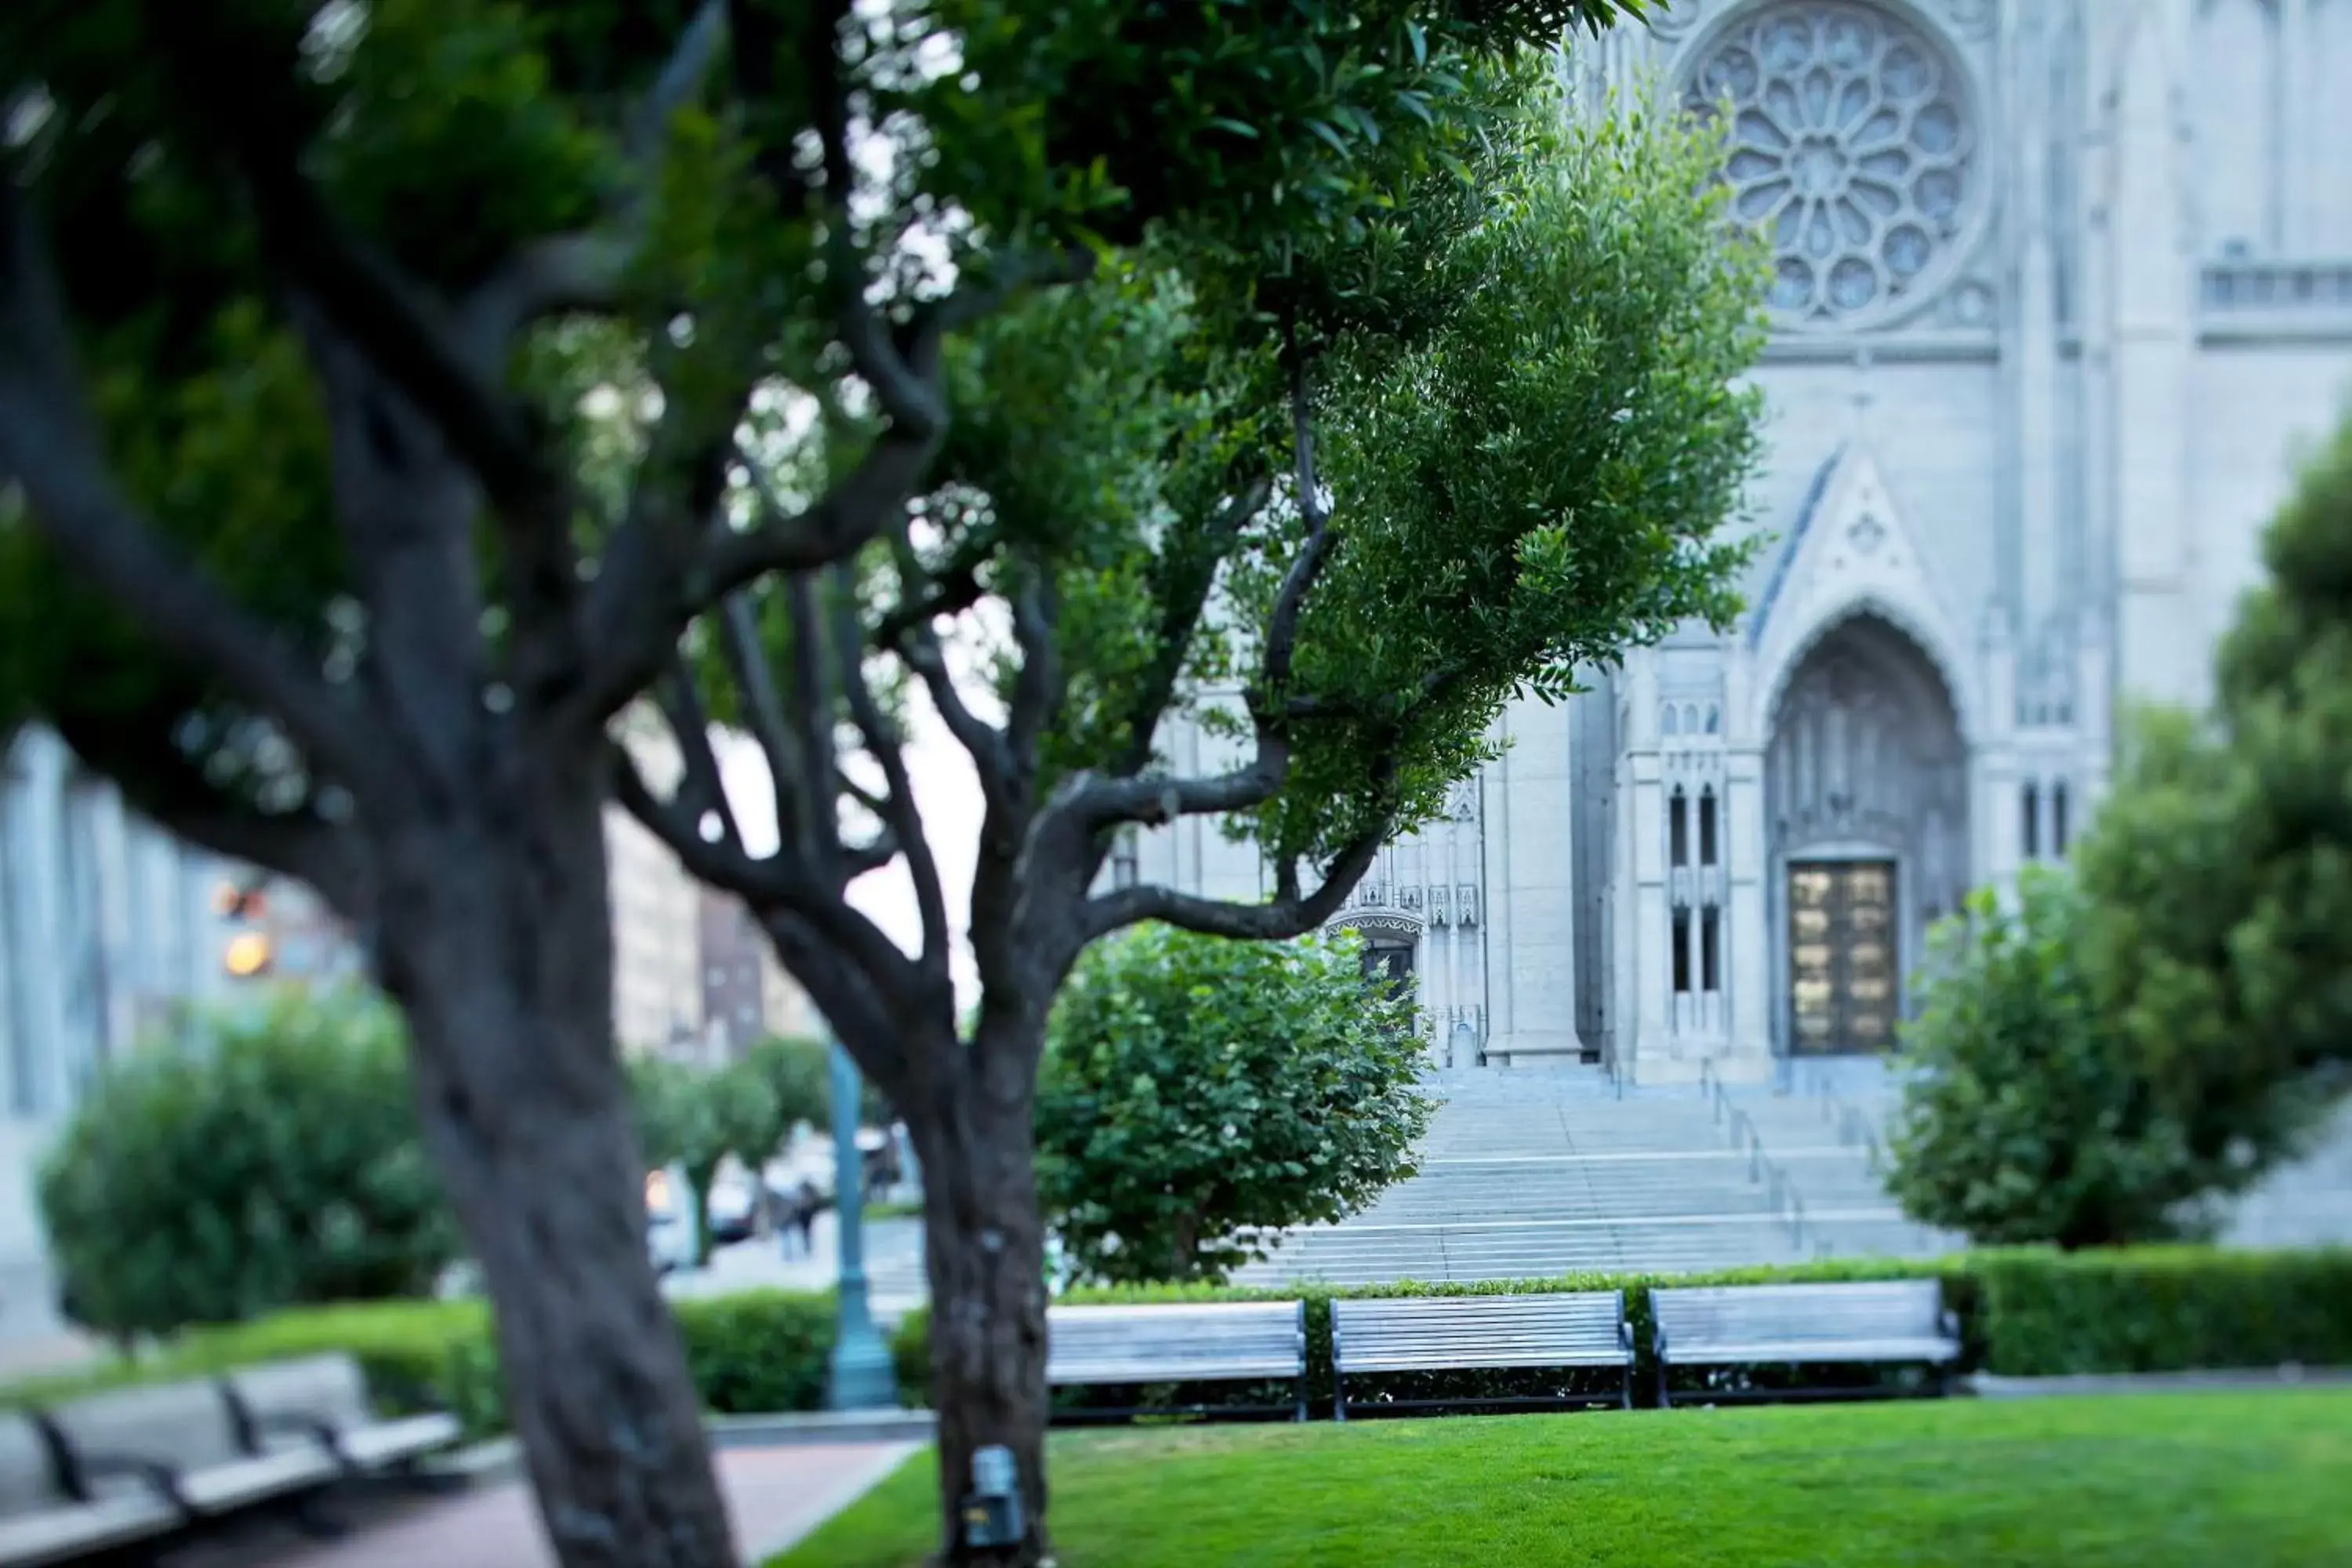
(2062, 289)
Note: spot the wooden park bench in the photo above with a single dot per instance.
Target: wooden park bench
(45, 1519)
(323, 1400)
(1251, 1341)
(1899, 1323)
(114, 1472)
(1460, 1333)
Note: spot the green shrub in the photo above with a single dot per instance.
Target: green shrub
(266, 1160)
(1198, 1092)
(755, 1351)
(2164, 1309)
(2028, 1114)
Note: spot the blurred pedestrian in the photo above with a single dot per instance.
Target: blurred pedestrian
(804, 1217)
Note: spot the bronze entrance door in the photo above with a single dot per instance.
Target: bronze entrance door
(1841, 958)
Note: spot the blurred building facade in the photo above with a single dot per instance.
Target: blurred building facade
(2060, 289)
(746, 995)
(111, 931)
(657, 940)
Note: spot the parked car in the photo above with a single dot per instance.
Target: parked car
(734, 1208)
(669, 1219)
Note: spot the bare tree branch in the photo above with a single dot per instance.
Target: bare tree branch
(702, 792)
(549, 277)
(1037, 689)
(898, 812)
(763, 710)
(1307, 568)
(854, 973)
(49, 443)
(981, 739)
(843, 521)
(1285, 917)
(812, 712)
(1184, 574)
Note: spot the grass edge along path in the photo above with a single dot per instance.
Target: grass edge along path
(2254, 1481)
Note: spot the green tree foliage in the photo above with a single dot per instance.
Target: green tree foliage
(2029, 1115)
(2220, 865)
(266, 1160)
(695, 1117)
(1197, 1091)
(393, 391)
(1340, 503)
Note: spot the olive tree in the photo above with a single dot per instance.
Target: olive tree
(1339, 504)
(381, 382)
(1199, 1094)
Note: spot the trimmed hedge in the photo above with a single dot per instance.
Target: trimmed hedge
(2163, 1308)
(751, 1351)
(2023, 1313)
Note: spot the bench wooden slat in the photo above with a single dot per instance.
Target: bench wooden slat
(1180, 1343)
(1570, 1330)
(1891, 1321)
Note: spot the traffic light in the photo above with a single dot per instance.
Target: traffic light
(250, 952)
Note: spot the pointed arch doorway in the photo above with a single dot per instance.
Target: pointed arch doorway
(1866, 796)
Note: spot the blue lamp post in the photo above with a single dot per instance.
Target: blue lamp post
(861, 1375)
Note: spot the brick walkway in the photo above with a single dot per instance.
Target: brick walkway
(776, 1496)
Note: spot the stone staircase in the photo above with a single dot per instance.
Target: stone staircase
(1529, 1173)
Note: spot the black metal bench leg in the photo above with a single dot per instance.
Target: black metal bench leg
(1339, 1398)
(314, 1516)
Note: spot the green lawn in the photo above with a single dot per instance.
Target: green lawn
(2176, 1481)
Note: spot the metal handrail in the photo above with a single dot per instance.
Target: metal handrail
(1853, 1126)
(1780, 1187)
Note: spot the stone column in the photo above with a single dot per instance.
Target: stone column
(1537, 903)
(1750, 944)
(2152, 279)
(2300, 80)
(1496, 819)
(1651, 1058)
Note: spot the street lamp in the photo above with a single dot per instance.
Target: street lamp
(861, 1378)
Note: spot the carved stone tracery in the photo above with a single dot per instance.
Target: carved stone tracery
(1854, 150)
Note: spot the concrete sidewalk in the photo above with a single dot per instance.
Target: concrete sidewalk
(775, 1495)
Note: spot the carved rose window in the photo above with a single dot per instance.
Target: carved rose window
(1852, 151)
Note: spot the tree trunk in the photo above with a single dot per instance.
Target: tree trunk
(494, 937)
(985, 1251)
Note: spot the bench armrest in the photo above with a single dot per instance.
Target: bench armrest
(323, 1433)
(1950, 1322)
(160, 1479)
(1625, 1336)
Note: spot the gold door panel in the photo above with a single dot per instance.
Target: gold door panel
(1842, 958)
